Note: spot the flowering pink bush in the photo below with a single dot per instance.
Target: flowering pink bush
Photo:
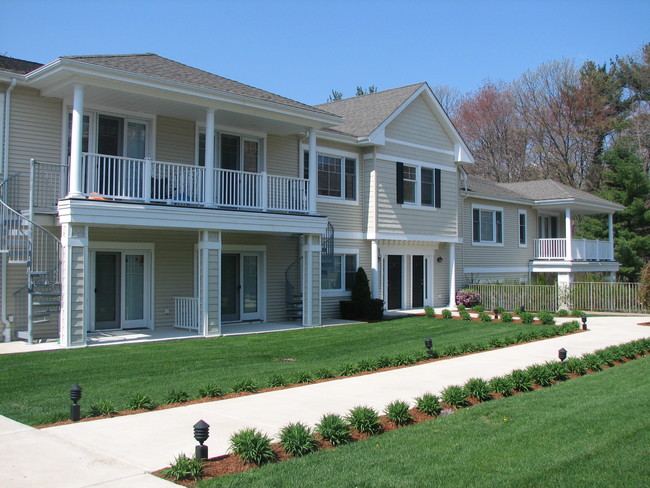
(468, 298)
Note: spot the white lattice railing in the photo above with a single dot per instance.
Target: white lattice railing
(186, 313)
(582, 249)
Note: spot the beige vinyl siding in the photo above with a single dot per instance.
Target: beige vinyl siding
(414, 219)
(441, 276)
(34, 132)
(175, 140)
(495, 258)
(418, 125)
(78, 275)
(282, 156)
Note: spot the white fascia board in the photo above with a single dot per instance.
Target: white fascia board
(559, 266)
(133, 215)
(496, 198)
(320, 120)
(606, 208)
(412, 237)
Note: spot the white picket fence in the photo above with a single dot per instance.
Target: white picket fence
(592, 296)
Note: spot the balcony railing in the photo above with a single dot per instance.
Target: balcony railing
(581, 249)
(119, 178)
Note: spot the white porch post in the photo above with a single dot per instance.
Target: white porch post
(452, 275)
(313, 171)
(568, 256)
(210, 283)
(374, 268)
(611, 236)
(76, 139)
(74, 285)
(563, 287)
(209, 157)
(311, 301)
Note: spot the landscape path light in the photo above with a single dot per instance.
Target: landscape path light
(201, 434)
(75, 408)
(584, 322)
(561, 354)
(496, 314)
(428, 343)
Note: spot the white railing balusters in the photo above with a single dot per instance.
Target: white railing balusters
(186, 313)
(582, 249)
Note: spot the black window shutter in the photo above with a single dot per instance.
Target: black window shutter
(400, 182)
(477, 225)
(436, 192)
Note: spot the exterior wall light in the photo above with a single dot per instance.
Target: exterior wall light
(75, 408)
(439, 259)
(561, 354)
(201, 434)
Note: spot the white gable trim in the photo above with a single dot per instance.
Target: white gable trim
(419, 146)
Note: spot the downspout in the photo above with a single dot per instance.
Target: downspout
(6, 332)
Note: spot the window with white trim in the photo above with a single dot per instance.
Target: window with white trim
(523, 225)
(340, 275)
(234, 152)
(487, 225)
(418, 185)
(337, 175)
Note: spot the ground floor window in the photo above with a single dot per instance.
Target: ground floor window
(338, 275)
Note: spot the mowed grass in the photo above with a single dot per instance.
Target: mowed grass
(34, 387)
(593, 431)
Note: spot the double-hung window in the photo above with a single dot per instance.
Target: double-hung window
(337, 175)
(487, 225)
(339, 275)
(418, 185)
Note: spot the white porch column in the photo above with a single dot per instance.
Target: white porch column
(313, 171)
(568, 237)
(452, 275)
(611, 236)
(210, 283)
(374, 268)
(209, 157)
(311, 295)
(74, 285)
(76, 139)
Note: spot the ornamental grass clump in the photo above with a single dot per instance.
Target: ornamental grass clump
(477, 388)
(333, 429)
(298, 439)
(245, 385)
(364, 419)
(323, 374)
(140, 401)
(184, 468)
(176, 396)
(558, 370)
(540, 374)
(211, 390)
(303, 377)
(576, 366)
(428, 404)
(454, 396)
(468, 298)
(252, 446)
(398, 412)
(520, 380)
(349, 369)
(446, 314)
(102, 407)
(367, 365)
(501, 385)
(276, 381)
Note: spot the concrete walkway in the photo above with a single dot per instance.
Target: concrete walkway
(120, 451)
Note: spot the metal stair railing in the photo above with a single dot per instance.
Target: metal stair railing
(293, 289)
(327, 244)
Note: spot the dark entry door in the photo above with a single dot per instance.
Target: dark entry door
(417, 299)
(394, 282)
(107, 290)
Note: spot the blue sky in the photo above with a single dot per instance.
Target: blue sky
(304, 49)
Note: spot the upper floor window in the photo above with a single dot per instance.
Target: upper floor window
(337, 175)
(523, 241)
(234, 152)
(487, 225)
(418, 185)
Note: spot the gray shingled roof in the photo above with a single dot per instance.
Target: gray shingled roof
(534, 191)
(152, 65)
(364, 113)
(19, 66)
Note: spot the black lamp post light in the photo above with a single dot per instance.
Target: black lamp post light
(561, 354)
(496, 314)
(428, 343)
(75, 408)
(201, 434)
(584, 322)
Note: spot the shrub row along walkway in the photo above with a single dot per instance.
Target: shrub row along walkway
(120, 451)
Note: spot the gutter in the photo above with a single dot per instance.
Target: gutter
(6, 333)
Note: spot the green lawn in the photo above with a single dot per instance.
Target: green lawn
(593, 431)
(34, 387)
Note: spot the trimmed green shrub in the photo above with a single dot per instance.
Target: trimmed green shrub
(520, 380)
(430, 312)
(333, 429)
(252, 446)
(245, 384)
(303, 377)
(446, 314)
(298, 439)
(375, 309)
(506, 317)
(276, 380)
(211, 390)
(398, 412)
(477, 388)
(361, 291)
(500, 310)
(485, 317)
(540, 374)
(464, 314)
(562, 313)
(527, 318)
(364, 419)
(184, 468)
(460, 307)
(140, 401)
(502, 385)
(578, 313)
(102, 407)
(428, 404)
(454, 396)
(546, 317)
(177, 396)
